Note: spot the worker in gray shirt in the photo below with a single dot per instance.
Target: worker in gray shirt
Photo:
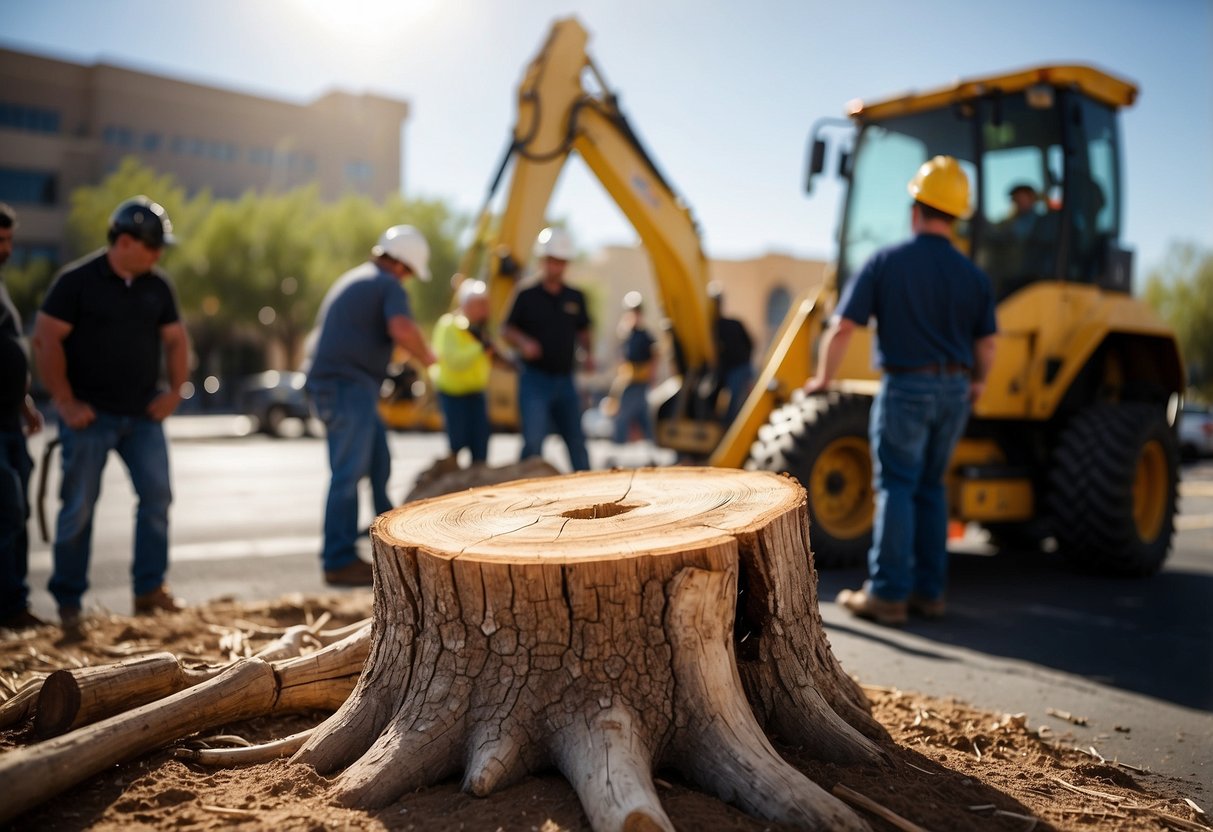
(363, 316)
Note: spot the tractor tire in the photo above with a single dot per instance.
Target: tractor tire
(823, 442)
(1114, 489)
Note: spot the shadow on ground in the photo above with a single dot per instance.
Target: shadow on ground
(1153, 636)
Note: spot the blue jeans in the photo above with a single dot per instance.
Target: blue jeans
(140, 444)
(737, 381)
(467, 423)
(357, 443)
(15, 467)
(549, 402)
(915, 423)
(633, 410)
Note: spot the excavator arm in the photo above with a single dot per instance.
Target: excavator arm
(557, 116)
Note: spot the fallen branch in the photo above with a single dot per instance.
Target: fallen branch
(868, 804)
(249, 688)
(245, 756)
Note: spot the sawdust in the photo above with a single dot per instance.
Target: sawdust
(955, 767)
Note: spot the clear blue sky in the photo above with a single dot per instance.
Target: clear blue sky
(723, 93)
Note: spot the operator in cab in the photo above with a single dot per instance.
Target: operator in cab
(934, 313)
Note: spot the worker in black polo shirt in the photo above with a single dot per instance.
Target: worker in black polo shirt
(547, 325)
(18, 418)
(935, 339)
(98, 341)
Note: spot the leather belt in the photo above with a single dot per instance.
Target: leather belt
(929, 369)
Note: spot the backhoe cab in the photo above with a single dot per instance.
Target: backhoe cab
(1074, 437)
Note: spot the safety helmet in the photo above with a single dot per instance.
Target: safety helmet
(407, 245)
(556, 243)
(633, 300)
(144, 220)
(941, 184)
(469, 289)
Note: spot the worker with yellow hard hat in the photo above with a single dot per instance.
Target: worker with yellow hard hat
(934, 312)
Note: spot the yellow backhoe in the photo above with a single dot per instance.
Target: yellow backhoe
(1074, 438)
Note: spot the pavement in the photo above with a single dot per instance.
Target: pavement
(1024, 633)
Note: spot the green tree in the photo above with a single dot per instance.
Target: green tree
(27, 285)
(257, 267)
(1181, 291)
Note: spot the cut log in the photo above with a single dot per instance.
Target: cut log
(75, 697)
(446, 477)
(588, 622)
(248, 688)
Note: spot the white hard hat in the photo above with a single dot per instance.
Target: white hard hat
(469, 289)
(633, 300)
(556, 243)
(408, 245)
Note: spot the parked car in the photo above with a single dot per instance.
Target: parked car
(273, 398)
(1195, 432)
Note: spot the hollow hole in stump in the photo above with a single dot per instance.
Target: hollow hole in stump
(751, 600)
(600, 511)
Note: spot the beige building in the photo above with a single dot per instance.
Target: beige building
(758, 291)
(64, 125)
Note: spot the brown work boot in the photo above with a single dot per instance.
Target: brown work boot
(71, 623)
(21, 621)
(158, 599)
(862, 605)
(933, 608)
(355, 573)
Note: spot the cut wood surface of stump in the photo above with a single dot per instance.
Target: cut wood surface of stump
(592, 623)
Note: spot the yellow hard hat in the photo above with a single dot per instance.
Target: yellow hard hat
(941, 184)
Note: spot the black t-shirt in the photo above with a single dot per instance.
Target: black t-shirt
(638, 346)
(553, 321)
(14, 364)
(113, 350)
(733, 343)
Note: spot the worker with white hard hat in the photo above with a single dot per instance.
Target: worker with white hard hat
(548, 324)
(461, 374)
(364, 315)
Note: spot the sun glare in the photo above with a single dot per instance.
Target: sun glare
(347, 18)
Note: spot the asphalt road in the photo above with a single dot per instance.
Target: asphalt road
(1024, 633)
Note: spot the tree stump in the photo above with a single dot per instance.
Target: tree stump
(589, 623)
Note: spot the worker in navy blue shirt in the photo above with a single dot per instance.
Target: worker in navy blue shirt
(548, 324)
(98, 341)
(364, 314)
(18, 419)
(935, 332)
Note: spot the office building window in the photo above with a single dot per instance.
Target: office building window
(34, 119)
(260, 155)
(309, 164)
(118, 136)
(177, 145)
(23, 254)
(28, 187)
(359, 171)
(151, 142)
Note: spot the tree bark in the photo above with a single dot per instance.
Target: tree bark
(589, 622)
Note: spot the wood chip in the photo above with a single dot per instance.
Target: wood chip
(223, 810)
(1028, 819)
(1195, 808)
(1088, 792)
(863, 802)
(1067, 716)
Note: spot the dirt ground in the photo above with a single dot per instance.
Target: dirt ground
(955, 767)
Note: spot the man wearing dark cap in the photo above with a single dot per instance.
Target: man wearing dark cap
(98, 341)
(18, 418)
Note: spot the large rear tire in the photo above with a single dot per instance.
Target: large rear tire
(1113, 489)
(823, 442)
